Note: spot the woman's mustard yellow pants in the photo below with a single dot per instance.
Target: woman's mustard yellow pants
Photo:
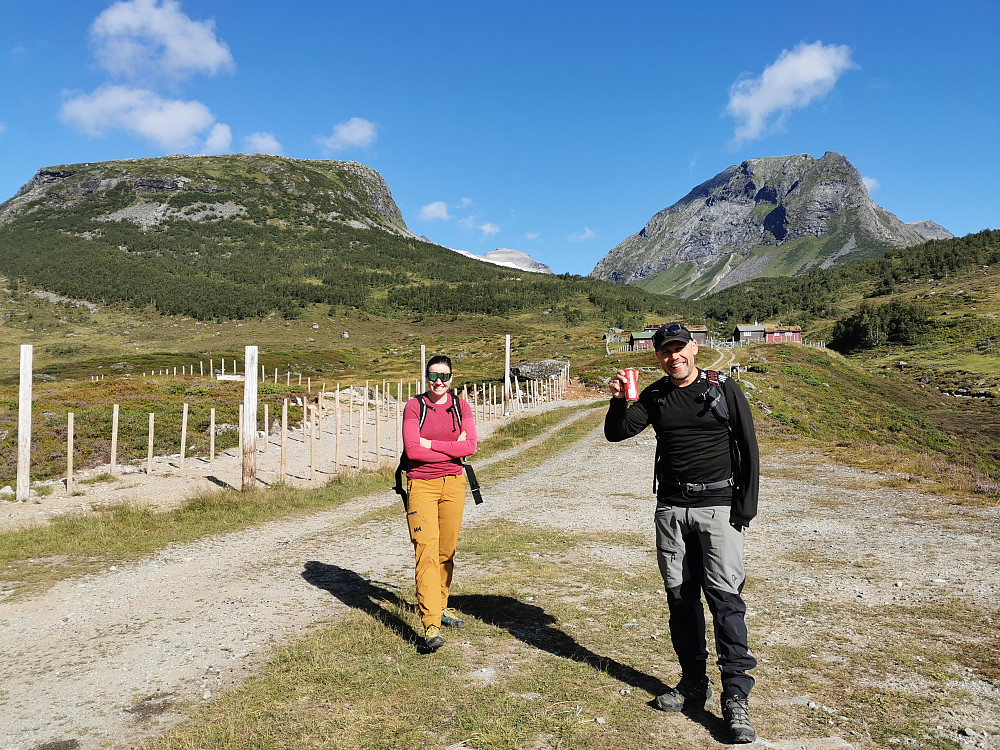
(434, 516)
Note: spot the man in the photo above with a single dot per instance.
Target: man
(706, 475)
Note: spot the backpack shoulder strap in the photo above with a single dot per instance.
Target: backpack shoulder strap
(456, 409)
(423, 408)
(717, 397)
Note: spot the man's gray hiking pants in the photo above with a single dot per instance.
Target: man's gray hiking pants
(697, 550)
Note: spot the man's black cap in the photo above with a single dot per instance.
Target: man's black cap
(669, 333)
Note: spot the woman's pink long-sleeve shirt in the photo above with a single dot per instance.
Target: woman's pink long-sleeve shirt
(441, 428)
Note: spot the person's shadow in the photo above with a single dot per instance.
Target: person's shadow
(368, 596)
(536, 627)
(527, 622)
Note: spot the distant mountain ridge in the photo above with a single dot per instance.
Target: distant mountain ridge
(508, 258)
(772, 216)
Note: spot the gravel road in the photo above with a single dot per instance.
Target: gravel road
(109, 659)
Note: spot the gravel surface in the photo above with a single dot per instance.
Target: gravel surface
(112, 658)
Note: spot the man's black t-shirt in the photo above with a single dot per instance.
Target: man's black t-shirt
(693, 443)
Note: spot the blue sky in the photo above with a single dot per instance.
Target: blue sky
(556, 128)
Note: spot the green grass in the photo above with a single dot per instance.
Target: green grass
(820, 399)
(560, 651)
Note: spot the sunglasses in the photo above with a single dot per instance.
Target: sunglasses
(434, 377)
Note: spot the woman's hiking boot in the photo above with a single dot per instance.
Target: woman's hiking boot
(450, 618)
(736, 712)
(694, 692)
(432, 638)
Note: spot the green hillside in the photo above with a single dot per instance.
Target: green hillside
(221, 238)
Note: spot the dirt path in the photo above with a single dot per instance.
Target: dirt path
(111, 658)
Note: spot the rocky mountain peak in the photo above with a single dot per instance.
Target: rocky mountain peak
(771, 216)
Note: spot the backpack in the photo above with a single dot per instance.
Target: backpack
(404, 461)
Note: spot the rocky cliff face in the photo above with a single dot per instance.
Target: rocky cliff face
(249, 187)
(773, 216)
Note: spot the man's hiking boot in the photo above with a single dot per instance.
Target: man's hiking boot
(450, 618)
(432, 638)
(690, 691)
(736, 712)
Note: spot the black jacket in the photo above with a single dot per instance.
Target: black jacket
(693, 445)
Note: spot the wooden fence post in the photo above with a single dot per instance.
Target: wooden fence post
(319, 416)
(149, 450)
(24, 425)
(423, 367)
(336, 452)
(114, 438)
(361, 431)
(69, 454)
(248, 426)
(284, 440)
(399, 420)
(184, 434)
(378, 430)
(211, 437)
(312, 443)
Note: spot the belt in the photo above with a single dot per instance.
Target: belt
(696, 487)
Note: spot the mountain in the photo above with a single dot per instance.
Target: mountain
(509, 259)
(773, 216)
(150, 192)
(251, 235)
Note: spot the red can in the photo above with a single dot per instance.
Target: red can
(631, 383)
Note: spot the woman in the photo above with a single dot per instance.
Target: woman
(436, 487)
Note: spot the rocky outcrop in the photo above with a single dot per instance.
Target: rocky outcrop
(778, 215)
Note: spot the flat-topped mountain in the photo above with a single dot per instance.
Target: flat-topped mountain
(253, 188)
(774, 216)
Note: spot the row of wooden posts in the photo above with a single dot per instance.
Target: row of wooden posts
(488, 401)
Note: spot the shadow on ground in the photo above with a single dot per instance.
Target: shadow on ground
(527, 622)
(360, 593)
(534, 626)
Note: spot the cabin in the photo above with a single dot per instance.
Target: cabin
(783, 334)
(642, 340)
(699, 333)
(749, 334)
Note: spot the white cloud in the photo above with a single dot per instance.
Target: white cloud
(793, 81)
(355, 133)
(262, 143)
(586, 234)
(531, 235)
(488, 228)
(170, 123)
(219, 139)
(3, 128)
(871, 183)
(465, 202)
(436, 211)
(137, 38)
